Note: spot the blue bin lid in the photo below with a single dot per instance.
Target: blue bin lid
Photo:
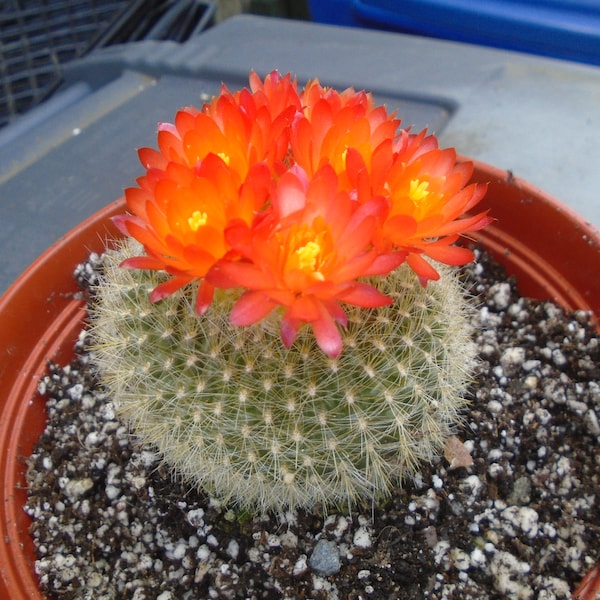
(567, 29)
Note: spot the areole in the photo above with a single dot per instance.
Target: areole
(553, 252)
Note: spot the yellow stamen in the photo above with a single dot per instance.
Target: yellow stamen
(344, 155)
(418, 190)
(307, 256)
(224, 157)
(197, 220)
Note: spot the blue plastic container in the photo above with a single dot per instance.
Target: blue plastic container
(567, 29)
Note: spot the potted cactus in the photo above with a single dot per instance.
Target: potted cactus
(282, 325)
(289, 215)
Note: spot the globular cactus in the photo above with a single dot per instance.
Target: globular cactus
(273, 334)
(233, 411)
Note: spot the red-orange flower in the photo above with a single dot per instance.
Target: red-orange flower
(334, 122)
(243, 128)
(307, 256)
(180, 216)
(427, 195)
(277, 93)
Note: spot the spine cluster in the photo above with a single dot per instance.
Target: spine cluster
(233, 411)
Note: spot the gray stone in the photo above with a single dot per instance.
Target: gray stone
(325, 559)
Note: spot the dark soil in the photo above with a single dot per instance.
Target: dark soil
(522, 522)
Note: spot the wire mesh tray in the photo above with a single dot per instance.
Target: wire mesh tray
(37, 37)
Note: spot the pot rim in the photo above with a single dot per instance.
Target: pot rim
(47, 289)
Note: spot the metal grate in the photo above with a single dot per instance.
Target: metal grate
(38, 36)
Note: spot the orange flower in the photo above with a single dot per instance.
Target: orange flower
(180, 216)
(334, 122)
(277, 93)
(306, 256)
(427, 197)
(243, 129)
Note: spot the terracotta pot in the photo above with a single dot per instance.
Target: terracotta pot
(40, 317)
(552, 251)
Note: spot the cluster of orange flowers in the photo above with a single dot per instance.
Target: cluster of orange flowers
(295, 196)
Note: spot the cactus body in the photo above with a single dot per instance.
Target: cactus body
(233, 411)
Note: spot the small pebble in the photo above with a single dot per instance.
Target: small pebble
(325, 558)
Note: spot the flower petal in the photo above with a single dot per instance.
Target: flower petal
(289, 331)
(385, 263)
(366, 296)
(251, 308)
(449, 255)
(422, 268)
(168, 287)
(327, 334)
(204, 297)
(143, 262)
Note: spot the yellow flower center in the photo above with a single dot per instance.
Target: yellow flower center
(224, 157)
(307, 256)
(418, 190)
(197, 220)
(307, 249)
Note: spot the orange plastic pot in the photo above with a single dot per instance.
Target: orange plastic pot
(40, 317)
(553, 252)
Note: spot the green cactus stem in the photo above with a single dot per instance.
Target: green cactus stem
(231, 410)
